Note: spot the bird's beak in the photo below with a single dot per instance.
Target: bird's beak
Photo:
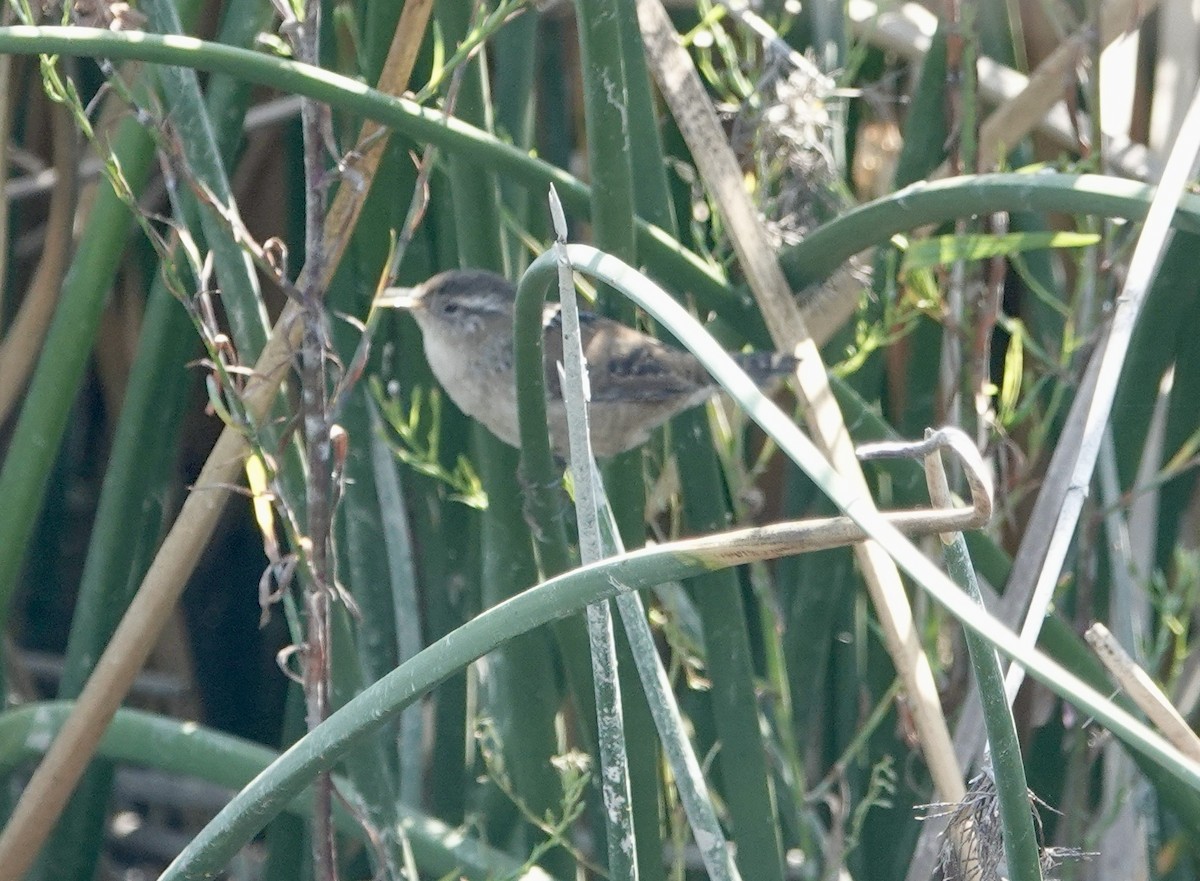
(400, 298)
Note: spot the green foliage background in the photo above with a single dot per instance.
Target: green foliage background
(779, 669)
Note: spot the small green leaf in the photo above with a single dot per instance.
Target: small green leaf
(944, 250)
(1014, 370)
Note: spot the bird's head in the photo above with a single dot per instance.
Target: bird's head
(459, 304)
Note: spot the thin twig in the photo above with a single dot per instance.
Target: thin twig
(610, 720)
(1143, 691)
(412, 220)
(313, 365)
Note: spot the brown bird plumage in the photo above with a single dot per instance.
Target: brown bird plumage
(637, 382)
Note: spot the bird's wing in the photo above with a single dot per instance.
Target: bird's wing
(624, 364)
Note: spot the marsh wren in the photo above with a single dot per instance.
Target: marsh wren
(637, 382)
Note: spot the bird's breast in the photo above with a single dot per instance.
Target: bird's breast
(479, 379)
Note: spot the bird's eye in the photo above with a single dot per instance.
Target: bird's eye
(450, 308)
